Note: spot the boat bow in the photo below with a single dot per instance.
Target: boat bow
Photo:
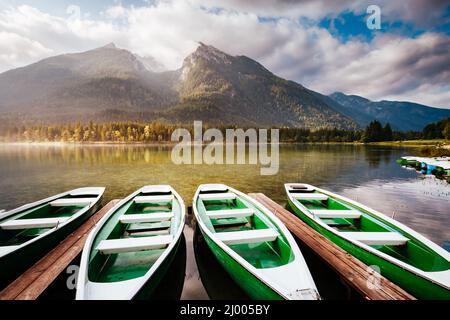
(122, 290)
(289, 282)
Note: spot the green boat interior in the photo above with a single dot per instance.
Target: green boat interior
(371, 230)
(33, 222)
(244, 228)
(134, 237)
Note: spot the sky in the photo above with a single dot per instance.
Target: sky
(326, 46)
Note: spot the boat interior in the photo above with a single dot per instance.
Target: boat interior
(33, 222)
(135, 236)
(244, 228)
(357, 224)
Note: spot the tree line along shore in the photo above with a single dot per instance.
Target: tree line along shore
(136, 132)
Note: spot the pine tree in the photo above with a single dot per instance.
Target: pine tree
(387, 132)
(446, 132)
(373, 132)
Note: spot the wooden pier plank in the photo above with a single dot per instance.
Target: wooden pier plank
(352, 271)
(31, 284)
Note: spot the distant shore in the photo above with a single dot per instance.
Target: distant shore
(89, 143)
(406, 143)
(414, 143)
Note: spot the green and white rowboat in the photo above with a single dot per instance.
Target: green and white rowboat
(410, 161)
(252, 244)
(404, 256)
(441, 166)
(30, 231)
(129, 251)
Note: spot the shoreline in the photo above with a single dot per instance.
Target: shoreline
(406, 143)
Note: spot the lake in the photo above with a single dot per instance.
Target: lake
(368, 174)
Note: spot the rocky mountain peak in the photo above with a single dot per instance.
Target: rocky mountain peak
(209, 54)
(110, 45)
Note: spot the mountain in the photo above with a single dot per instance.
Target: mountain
(403, 116)
(109, 83)
(241, 88)
(71, 85)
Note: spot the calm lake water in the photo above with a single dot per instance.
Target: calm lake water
(368, 174)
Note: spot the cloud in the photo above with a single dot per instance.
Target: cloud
(428, 94)
(423, 13)
(313, 9)
(58, 35)
(390, 66)
(15, 50)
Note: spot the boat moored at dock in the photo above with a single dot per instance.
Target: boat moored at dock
(404, 256)
(410, 161)
(252, 245)
(130, 250)
(439, 166)
(30, 231)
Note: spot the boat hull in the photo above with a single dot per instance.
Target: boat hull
(138, 273)
(147, 289)
(18, 261)
(416, 285)
(248, 282)
(406, 162)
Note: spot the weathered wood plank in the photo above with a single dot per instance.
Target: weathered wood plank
(351, 270)
(34, 281)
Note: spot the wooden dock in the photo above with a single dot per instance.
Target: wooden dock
(352, 271)
(33, 282)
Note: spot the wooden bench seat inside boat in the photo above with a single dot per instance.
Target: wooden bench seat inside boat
(214, 188)
(146, 217)
(32, 223)
(230, 213)
(229, 222)
(115, 246)
(337, 222)
(310, 196)
(378, 238)
(300, 188)
(144, 233)
(139, 227)
(248, 236)
(65, 202)
(88, 191)
(154, 199)
(156, 189)
(330, 214)
(217, 196)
